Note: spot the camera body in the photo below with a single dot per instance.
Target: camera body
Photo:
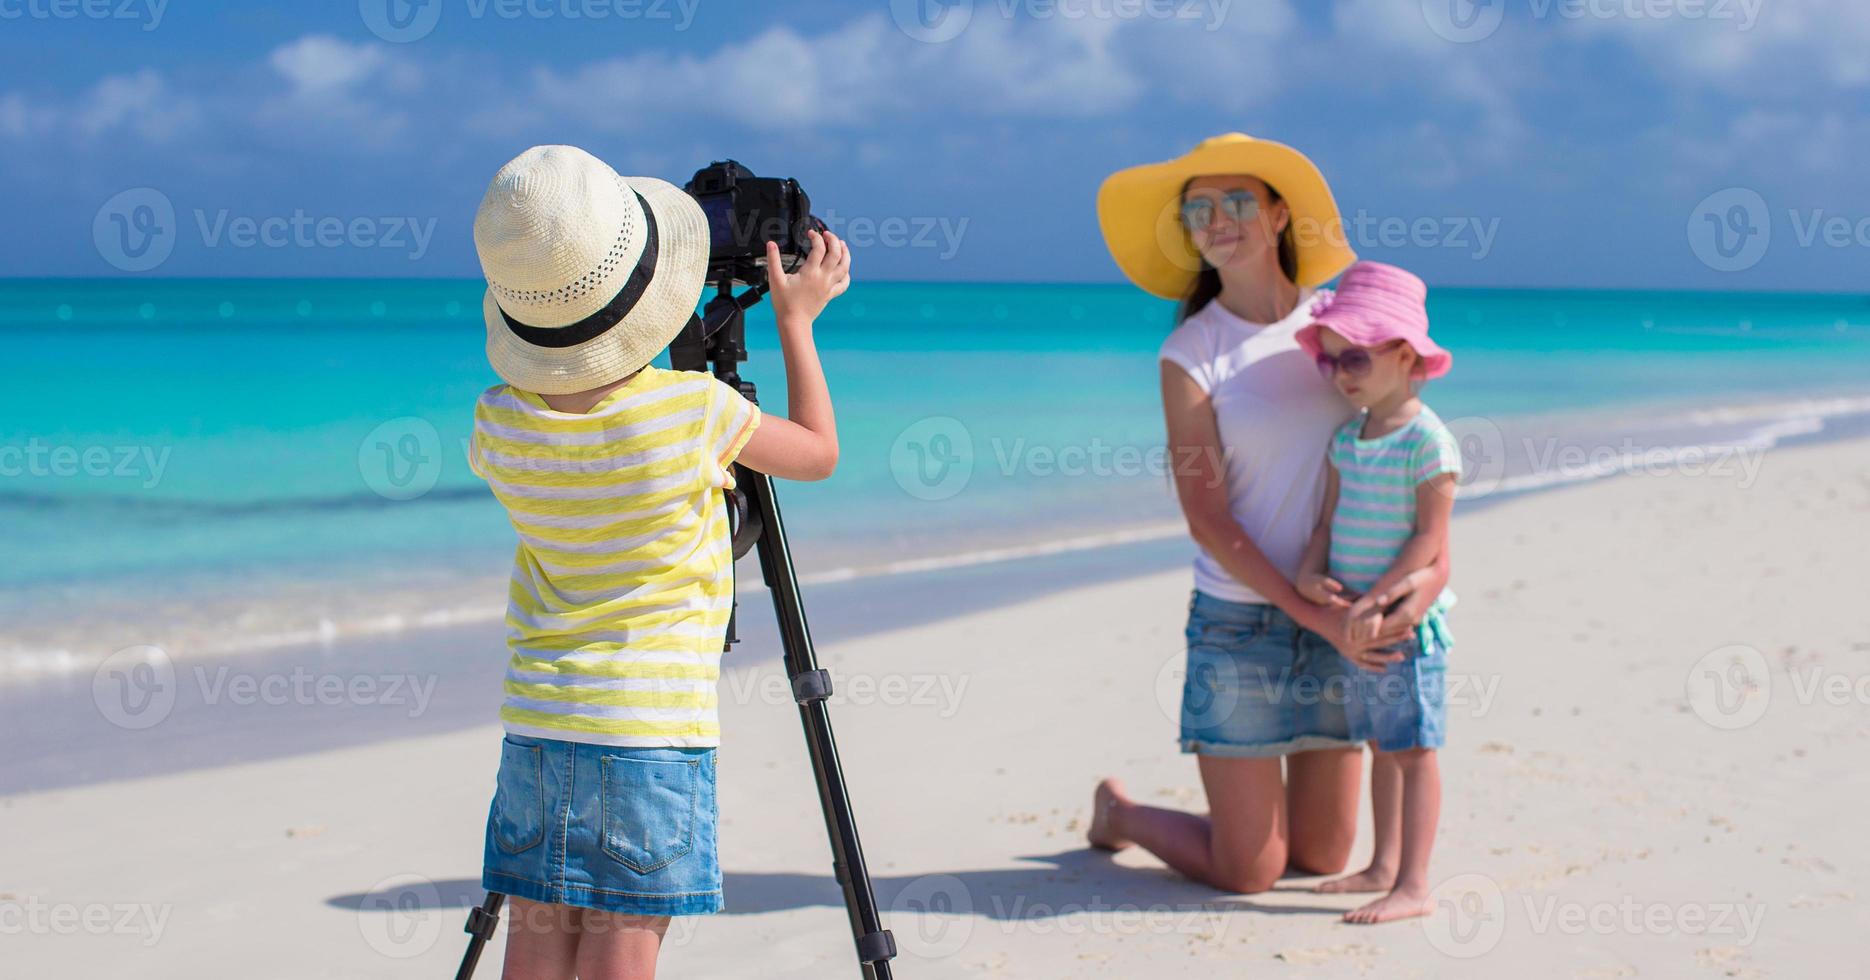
(744, 213)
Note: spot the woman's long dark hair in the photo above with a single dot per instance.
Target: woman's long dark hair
(1207, 283)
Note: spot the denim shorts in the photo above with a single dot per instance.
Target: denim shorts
(1258, 685)
(1404, 707)
(600, 827)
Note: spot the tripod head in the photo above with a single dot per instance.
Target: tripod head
(715, 342)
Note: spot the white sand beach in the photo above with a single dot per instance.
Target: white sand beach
(1655, 769)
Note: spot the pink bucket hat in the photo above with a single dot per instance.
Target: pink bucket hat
(1375, 304)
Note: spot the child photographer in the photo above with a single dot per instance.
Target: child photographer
(611, 470)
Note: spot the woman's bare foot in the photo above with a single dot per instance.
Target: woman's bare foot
(1109, 794)
(1398, 904)
(1370, 879)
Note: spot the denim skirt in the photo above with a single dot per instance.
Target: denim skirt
(622, 830)
(1258, 685)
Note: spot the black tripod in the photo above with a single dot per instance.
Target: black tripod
(717, 341)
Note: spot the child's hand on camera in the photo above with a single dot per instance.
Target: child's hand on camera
(1320, 589)
(822, 276)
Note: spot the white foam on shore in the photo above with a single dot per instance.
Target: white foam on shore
(1766, 426)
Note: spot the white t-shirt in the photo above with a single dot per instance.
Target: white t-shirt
(1276, 416)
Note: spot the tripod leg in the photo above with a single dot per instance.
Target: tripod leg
(810, 687)
(483, 919)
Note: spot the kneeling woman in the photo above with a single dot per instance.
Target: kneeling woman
(1244, 232)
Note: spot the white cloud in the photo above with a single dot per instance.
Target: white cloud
(1243, 59)
(337, 90)
(20, 119)
(1747, 47)
(319, 63)
(776, 79)
(781, 79)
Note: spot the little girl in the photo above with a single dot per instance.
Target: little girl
(1389, 494)
(611, 470)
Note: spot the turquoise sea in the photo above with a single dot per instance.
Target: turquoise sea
(218, 464)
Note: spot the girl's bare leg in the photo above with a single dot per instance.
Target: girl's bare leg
(1386, 811)
(619, 947)
(541, 941)
(1421, 812)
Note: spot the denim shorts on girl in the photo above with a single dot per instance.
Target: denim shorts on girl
(1404, 706)
(600, 827)
(1258, 685)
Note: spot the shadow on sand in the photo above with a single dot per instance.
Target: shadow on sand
(1066, 883)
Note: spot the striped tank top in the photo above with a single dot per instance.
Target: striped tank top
(623, 580)
(1377, 480)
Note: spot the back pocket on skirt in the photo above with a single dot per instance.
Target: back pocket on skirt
(519, 798)
(649, 811)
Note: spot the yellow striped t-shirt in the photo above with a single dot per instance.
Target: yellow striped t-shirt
(623, 580)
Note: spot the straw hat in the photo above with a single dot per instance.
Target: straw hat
(1139, 210)
(589, 274)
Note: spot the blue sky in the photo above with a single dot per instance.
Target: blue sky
(1689, 144)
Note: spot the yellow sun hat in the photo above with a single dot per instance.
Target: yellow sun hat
(1139, 210)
